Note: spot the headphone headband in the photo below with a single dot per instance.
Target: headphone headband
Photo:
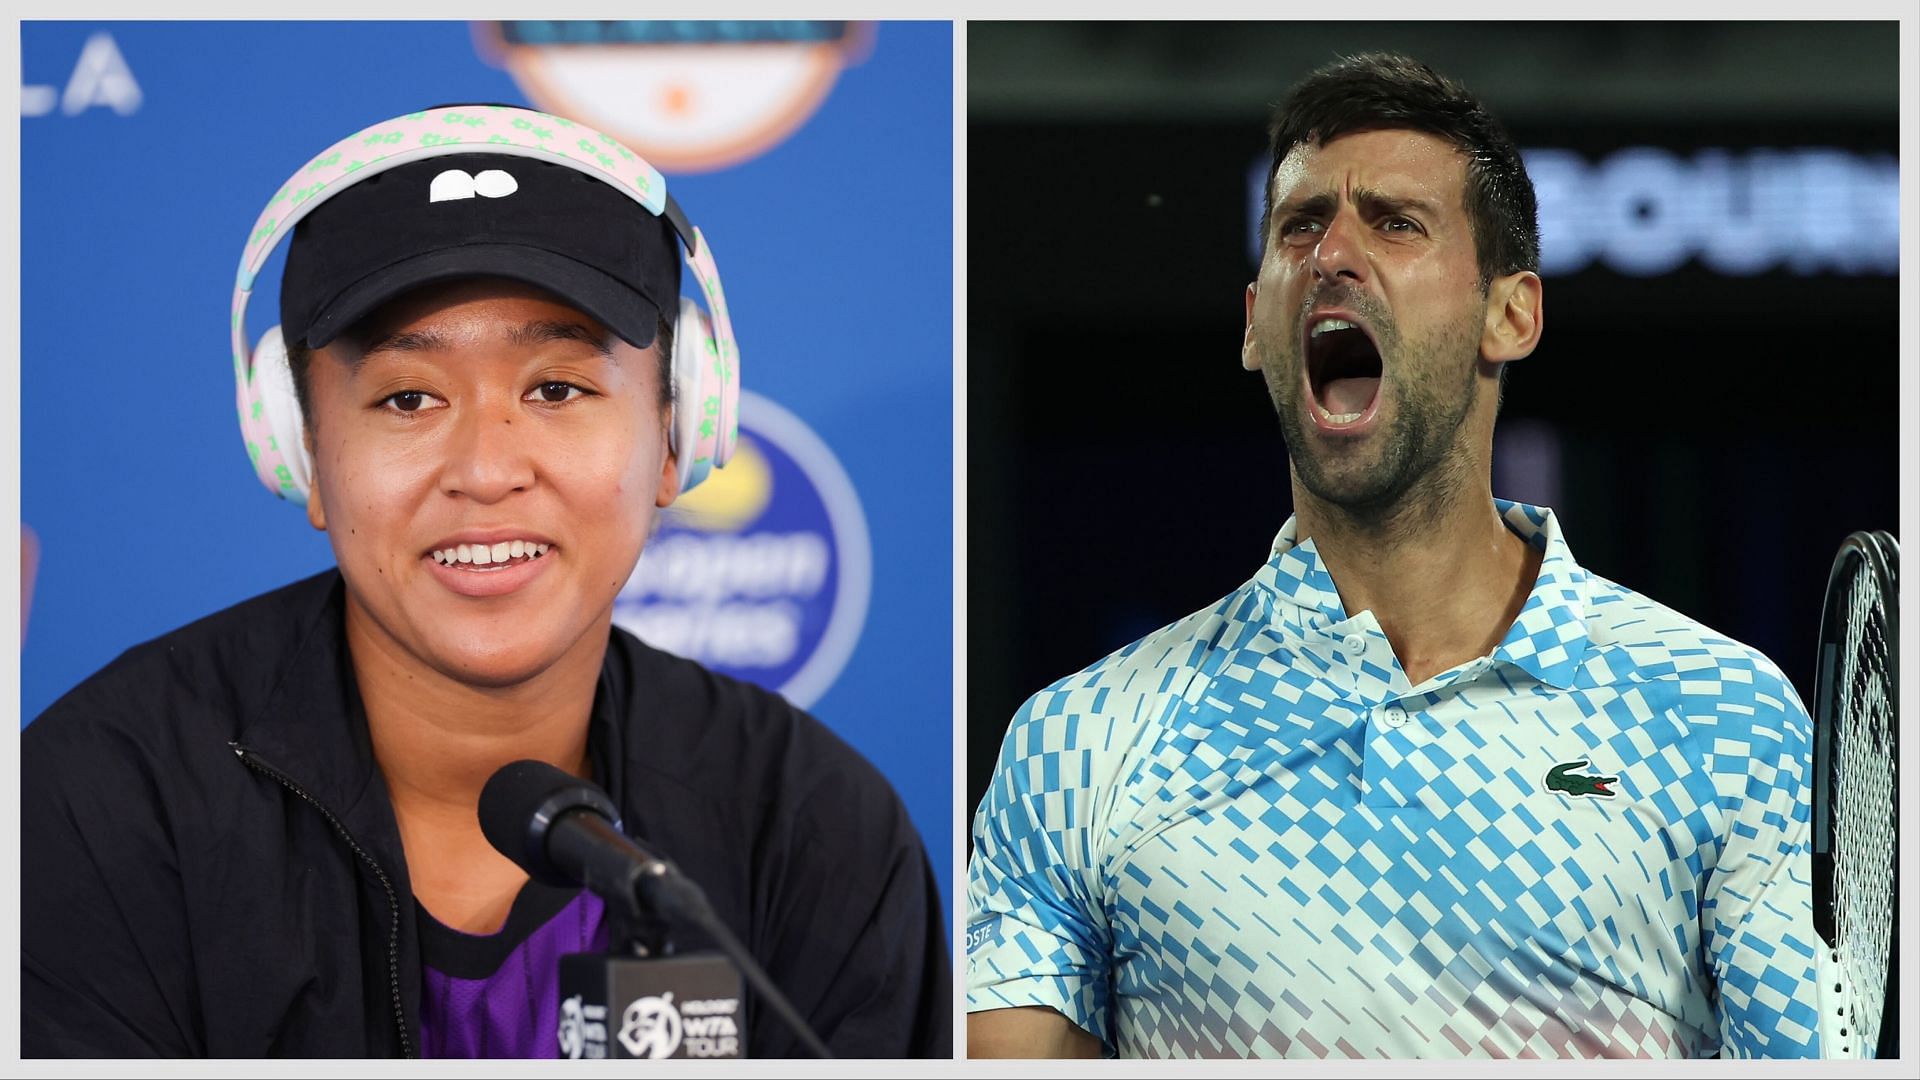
(493, 129)
(498, 129)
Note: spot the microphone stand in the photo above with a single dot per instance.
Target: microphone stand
(633, 931)
(562, 829)
(640, 968)
(694, 905)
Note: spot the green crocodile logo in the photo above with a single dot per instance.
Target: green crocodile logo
(1562, 778)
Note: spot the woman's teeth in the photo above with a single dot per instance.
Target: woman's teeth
(487, 554)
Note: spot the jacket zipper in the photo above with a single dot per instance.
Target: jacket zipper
(393, 903)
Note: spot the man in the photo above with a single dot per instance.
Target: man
(257, 836)
(1423, 786)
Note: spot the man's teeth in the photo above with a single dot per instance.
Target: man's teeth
(1330, 324)
(487, 554)
(1336, 417)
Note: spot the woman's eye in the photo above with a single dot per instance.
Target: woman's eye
(408, 401)
(555, 393)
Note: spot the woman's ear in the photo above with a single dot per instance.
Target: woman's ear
(316, 508)
(669, 488)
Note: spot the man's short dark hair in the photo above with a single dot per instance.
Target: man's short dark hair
(300, 358)
(1380, 91)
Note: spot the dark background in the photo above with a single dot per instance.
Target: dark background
(1705, 439)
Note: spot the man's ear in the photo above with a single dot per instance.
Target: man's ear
(1249, 356)
(316, 510)
(1515, 318)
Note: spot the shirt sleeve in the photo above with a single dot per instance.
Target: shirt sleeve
(104, 964)
(1037, 932)
(1757, 914)
(850, 925)
(875, 980)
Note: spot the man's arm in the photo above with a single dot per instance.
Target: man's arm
(1038, 947)
(1757, 915)
(1031, 1031)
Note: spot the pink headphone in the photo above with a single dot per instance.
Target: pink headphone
(706, 361)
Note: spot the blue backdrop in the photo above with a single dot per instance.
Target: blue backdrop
(835, 244)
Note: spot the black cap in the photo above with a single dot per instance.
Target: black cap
(480, 215)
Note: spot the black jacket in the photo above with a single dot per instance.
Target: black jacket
(210, 864)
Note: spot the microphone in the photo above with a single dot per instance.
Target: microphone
(564, 831)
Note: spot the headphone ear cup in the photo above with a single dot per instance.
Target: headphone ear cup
(696, 397)
(281, 460)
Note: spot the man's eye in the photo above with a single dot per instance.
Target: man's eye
(1396, 223)
(1299, 226)
(555, 393)
(407, 401)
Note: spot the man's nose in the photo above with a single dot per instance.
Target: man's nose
(1342, 250)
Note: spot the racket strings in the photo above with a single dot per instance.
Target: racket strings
(1864, 793)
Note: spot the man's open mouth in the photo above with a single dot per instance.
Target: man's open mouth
(1343, 369)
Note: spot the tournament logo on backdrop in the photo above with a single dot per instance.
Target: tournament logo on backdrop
(689, 96)
(100, 78)
(764, 570)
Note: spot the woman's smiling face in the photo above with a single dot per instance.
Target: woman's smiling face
(487, 463)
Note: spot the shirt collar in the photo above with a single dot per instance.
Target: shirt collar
(1548, 640)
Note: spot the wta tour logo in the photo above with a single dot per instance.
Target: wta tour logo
(583, 1029)
(651, 1027)
(763, 571)
(689, 96)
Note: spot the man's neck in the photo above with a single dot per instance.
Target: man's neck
(1445, 578)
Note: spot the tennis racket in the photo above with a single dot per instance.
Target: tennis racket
(1855, 747)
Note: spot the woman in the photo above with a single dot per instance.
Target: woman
(256, 836)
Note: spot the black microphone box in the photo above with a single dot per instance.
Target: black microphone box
(685, 1006)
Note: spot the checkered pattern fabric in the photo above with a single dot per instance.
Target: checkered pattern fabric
(1248, 835)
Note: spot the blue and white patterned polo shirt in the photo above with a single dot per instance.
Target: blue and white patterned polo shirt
(1248, 835)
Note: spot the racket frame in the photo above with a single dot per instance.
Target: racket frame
(1875, 553)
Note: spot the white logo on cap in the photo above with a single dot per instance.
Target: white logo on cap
(458, 184)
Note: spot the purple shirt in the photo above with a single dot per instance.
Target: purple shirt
(498, 995)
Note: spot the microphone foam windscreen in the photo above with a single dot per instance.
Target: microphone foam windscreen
(521, 802)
